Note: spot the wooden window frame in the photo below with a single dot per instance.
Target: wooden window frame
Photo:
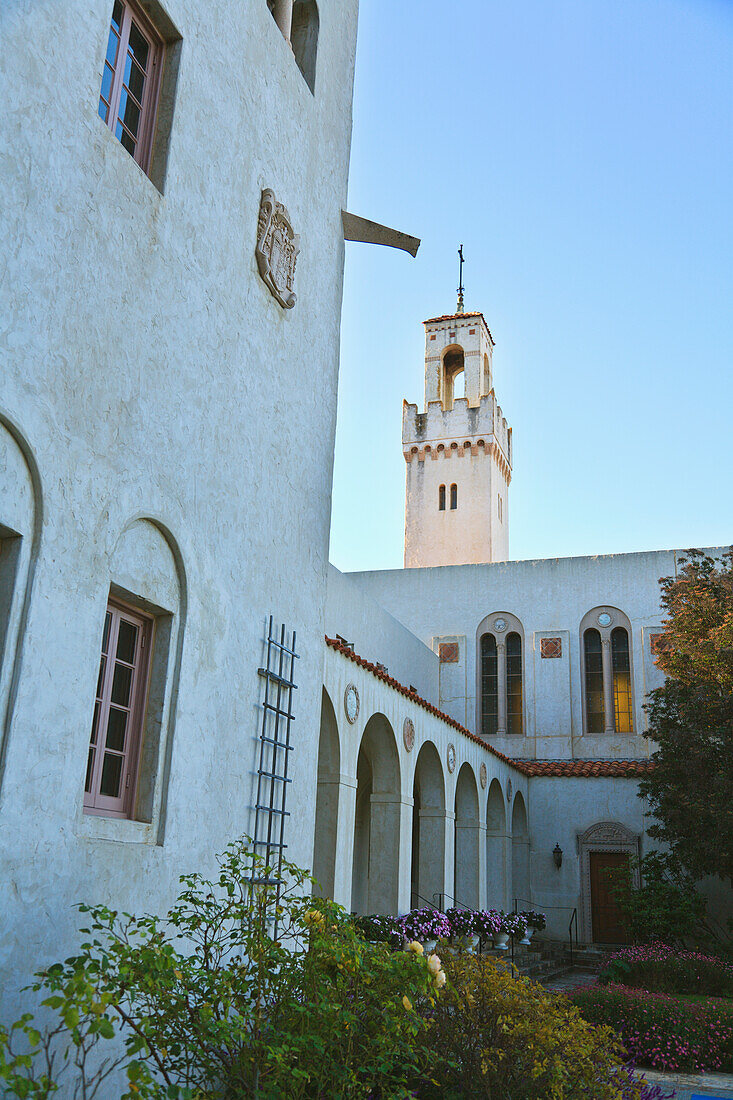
(94, 801)
(453, 497)
(441, 498)
(132, 12)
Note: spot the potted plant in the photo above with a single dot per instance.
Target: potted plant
(488, 924)
(427, 926)
(463, 930)
(513, 924)
(535, 923)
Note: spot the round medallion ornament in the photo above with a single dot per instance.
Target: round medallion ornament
(408, 734)
(508, 790)
(604, 619)
(351, 703)
(484, 776)
(451, 757)
(500, 625)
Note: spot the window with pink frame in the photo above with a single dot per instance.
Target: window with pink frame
(131, 80)
(118, 712)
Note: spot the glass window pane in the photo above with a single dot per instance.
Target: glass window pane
(621, 665)
(106, 82)
(135, 79)
(489, 686)
(129, 112)
(105, 635)
(126, 642)
(103, 110)
(100, 678)
(514, 683)
(95, 724)
(126, 140)
(112, 43)
(111, 775)
(117, 15)
(121, 685)
(138, 46)
(90, 769)
(116, 727)
(595, 712)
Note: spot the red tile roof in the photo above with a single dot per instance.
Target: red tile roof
(334, 643)
(589, 769)
(453, 317)
(582, 768)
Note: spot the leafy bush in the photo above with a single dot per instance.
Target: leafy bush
(205, 1003)
(662, 1031)
(662, 969)
(499, 1035)
(377, 929)
(664, 905)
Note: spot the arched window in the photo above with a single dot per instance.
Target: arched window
(621, 665)
(607, 674)
(593, 681)
(489, 686)
(453, 497)
(298, 21)
(514, 683)
(441, 498)
(453, 365)
(500, 677)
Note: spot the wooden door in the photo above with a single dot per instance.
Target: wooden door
(608, 923)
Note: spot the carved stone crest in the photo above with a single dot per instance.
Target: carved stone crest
(408, 734)
(277, 249)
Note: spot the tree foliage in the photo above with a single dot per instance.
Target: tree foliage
(690, 791)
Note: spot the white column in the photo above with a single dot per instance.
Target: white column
(283, 13)
(450, 858)
(608, 685)
(431, 855)
(344, 863)
(482, 867)
(501, 687)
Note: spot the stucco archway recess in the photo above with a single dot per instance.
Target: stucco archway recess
(327, 799)
(496, 845)
(520, 854)
(467, 839)
(604, 836)
(428, 828)
(375, 878)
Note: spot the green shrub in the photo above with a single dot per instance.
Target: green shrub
(663, 1032)
(662, 969)
(204, 1003)
(496, 1035)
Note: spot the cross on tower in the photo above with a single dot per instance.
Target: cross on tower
(459, 307)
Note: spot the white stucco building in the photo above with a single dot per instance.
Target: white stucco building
(173, 181)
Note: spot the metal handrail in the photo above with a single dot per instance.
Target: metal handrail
(448, 897)
(573, 921)
(414, 894)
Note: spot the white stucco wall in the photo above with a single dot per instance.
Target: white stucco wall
(550, 598)
(152, 377)
(378, 637)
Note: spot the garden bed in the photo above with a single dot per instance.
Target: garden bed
(663, 1031)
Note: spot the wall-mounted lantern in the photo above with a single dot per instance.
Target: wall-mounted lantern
(557, 856)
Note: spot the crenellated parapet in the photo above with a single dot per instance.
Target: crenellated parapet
(463, 430)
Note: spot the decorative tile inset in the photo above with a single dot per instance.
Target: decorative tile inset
(408, 734)
(448, 653)
(550, 647)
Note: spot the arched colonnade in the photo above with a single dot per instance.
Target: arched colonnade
(409, 810)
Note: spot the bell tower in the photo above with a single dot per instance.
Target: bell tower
(458, 451)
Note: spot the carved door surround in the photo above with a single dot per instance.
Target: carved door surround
(604, 836)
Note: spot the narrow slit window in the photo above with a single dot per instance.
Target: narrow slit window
(441, 498)
(621, 666)
(593, 653)
(118, 713)
(131, 79)
(514, 683)
(489, 686)
(453, 497)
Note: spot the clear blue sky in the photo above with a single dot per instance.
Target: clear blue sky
(582, 151)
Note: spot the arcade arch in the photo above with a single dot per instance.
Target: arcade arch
(428, 828)
(520, 853)
(375, 874)
(496, 847)
(327, 798)
(466, 867)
